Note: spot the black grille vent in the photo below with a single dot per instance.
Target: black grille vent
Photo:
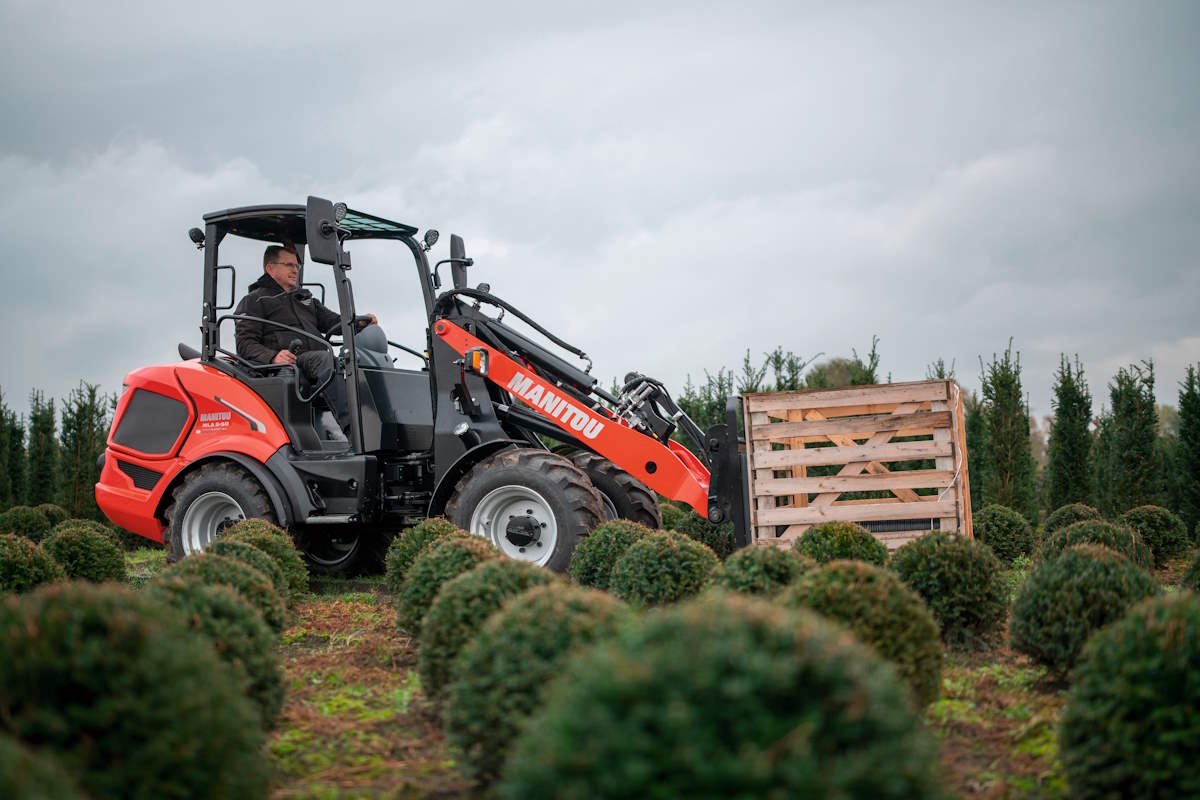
(143, 478)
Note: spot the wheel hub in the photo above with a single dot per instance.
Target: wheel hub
(519, 521)
(522, 531)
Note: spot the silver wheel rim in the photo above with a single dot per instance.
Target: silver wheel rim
(206, 516)
(610, 510)
(491, 517)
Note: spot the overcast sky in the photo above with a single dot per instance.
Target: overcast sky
(663, 184)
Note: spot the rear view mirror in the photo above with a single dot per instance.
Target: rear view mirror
(321, 230)
(458, 261)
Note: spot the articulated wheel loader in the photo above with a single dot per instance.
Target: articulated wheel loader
(199, 444)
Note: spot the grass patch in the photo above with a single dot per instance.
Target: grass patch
(144, 565)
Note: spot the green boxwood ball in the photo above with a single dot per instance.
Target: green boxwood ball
(85, 554)
(1067, 599)
(1069, 514)
(1191, 578)
(664, 567)
(251, 584)
(405, 548)
(1120, 538)
(54, 513)
(839, 541)
(729, 696)
(254, 557)
(1131, 724)
(25, 521)
(502, 674)
(596, 555)
(959, 580)
(237, 632)
(130, 702)
(275, 542)
(672, 516)
(461, 607)
(24, 565)
(762, 570)
(25, 775)
(718, 538)
(443, 560)
(1005, 531)
(1163, 532)
(882, 612)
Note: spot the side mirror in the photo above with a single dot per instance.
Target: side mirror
(321, 230)
(458, 261)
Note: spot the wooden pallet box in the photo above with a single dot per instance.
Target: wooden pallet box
(891, 458)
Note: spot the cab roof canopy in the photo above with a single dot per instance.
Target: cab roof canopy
(285, 223)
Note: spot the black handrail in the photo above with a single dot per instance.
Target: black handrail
(299, 395)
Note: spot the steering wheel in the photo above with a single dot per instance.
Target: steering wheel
(361, 321)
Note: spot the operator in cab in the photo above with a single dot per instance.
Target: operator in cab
(277, 297)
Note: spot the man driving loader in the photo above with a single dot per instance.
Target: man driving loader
(275, 297)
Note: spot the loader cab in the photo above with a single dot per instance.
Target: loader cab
(386, 380)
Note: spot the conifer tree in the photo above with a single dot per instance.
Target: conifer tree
(82, 438)
(1068, 466)
(1009, 479)
(1132, 473)
(6, 499)
(976, 447)
(1187, 452)
(43, 451)
(14, 431)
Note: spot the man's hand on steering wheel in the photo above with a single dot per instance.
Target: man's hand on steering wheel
(363, 320)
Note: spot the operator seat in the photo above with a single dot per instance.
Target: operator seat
(370, 344)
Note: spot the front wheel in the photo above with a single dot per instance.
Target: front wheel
(208, 501)
(533, 505)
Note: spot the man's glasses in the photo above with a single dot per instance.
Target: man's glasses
(291, 264)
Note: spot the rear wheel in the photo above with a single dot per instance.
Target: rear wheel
(208, 501)
(623, 496)
(343, 552)
(533, 505)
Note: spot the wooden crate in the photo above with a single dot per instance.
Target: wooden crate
(790, 435)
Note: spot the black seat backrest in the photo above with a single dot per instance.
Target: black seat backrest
(370, 344)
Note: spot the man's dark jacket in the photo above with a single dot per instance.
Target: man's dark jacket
(259, 342)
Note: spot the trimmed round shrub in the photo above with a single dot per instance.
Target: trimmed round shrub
(841, 541)
(1005, 531)
(959, 580)
(729, 696)
(597, 553)
(1129, 727)
(1119, 538)
(661, 568)
(125, 540)
(25, 521)
(28, 776)
(54, 513)
(24, 565)
(85, 554)
(1163, 532)
(1069, 514)
(882, 612)
(1191, 578)
(672, 516)
(718, 538)
(252, 556)
(237, 632)
(275, 542)
(1067, 599)
(130, 702)
(405, 548)
(461, 607)
(762, 570)
(443, 560)
(502, 674)
(251, 584)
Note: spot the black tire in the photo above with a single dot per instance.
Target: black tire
(208, 484)
(558, 489)
(626, 496)
(343, 552)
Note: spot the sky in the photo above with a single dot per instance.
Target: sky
(664, 185)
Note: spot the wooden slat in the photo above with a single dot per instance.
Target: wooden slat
(850, 411)
(817, 456)
(915, 479)
(901, 424)
(832, 398)
(857, 513)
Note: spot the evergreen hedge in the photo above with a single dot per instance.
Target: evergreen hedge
(1191, 578)
(596, 555)
(1069, 514)
(1005, 531)
(1131, 725)
(251, 584)
(24, 565)
(461, 607)
(672, 516)
(442, 561)
(1163, 532)
(130, 702)
(54, 513)
(839, 541)
(959, 580)
(25, 521)
(252, 556)
(275, 542)
(718, 538)
(762, 570)
(882, 612)
(85, 554)
(728, 696)
(503, 672)
(1067, 599)
(664, 567)
(1120, 538)
(405, 548)
(25, 775)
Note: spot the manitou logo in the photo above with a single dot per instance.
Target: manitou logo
(216, 416)
(523, 387)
